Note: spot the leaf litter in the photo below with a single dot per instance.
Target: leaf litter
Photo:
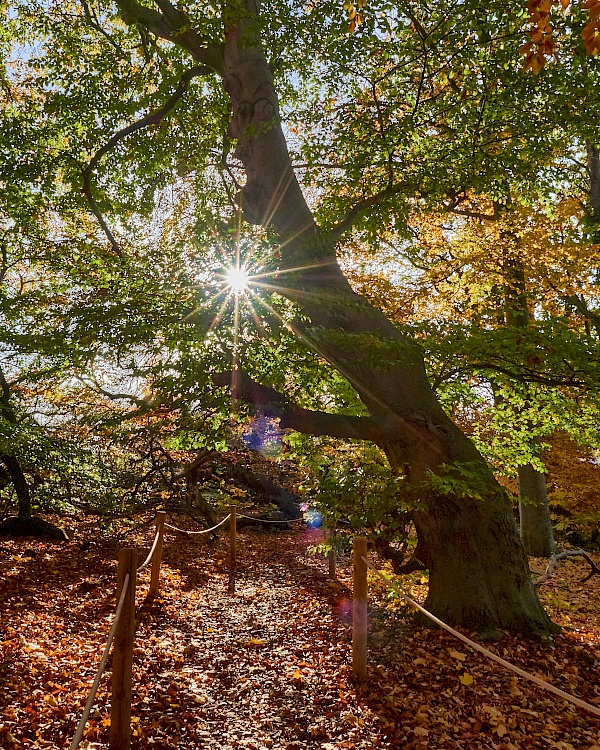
(270, 666)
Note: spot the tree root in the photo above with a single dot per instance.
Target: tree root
(557, 556)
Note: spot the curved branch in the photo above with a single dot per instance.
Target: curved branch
(595, 570)
(175, 26)
(374, 200)
(152, 118)
(291, 416)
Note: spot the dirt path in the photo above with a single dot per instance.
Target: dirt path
(265, 668)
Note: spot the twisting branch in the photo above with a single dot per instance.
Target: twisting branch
(152, 118)
(561, 556)
(291, 416)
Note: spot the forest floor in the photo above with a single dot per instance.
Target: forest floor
(269, 667)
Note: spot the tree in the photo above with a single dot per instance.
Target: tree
(478, 571)
(467, 536)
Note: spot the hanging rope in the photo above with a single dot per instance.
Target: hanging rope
(90, 701)
(149, 558)
(538, 681)
(204, 531)
(269, 520)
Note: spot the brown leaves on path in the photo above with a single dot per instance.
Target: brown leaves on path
(270, 666)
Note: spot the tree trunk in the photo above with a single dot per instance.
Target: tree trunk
(478, 570)
(534, 513)
(20, 484)
(593, 165)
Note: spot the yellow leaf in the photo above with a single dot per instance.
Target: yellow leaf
(458, 655)
(466, 679)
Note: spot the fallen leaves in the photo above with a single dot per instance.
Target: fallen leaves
(269, 667)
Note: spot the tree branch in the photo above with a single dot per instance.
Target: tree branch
(152, 118)
(374, 200)
(175, 26)
(582, 308)
(595, 570)
(275, 404)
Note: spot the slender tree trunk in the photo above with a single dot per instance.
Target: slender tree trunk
(534, 512)
(478, 570)
(593, 165)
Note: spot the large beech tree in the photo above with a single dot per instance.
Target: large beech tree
(467, 538)
(426, 106)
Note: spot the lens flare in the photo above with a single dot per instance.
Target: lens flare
(313, 518)
(263, 435)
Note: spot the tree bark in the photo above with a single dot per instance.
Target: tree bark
(593, 166)
(478, 570)
(20, 484)
(534, 512)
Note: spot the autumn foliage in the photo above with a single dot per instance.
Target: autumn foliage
(543, 42)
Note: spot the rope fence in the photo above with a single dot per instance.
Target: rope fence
(271, 520)
(90, 701)
(202, 531)
(122, 631)
(359, 628)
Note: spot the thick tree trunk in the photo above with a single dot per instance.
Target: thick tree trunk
(534, 513)
(478, 570)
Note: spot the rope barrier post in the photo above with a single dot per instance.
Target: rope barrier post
(157, 557)
(359, 607)
(232, 547)
(120, 709)
(331, 554)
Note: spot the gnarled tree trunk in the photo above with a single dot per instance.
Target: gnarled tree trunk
(478, 569)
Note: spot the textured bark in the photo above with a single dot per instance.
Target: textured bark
(478, 570)
(534, 513)
(20, 484)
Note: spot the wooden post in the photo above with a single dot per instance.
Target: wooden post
(120, 709)
(331, 554)
(157, 556)
(359, 608)
(232, 548)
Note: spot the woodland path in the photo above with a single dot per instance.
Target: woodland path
(269, 667)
